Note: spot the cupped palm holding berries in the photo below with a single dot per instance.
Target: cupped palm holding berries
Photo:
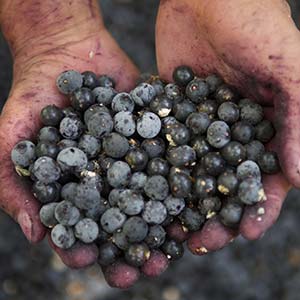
(119, 169)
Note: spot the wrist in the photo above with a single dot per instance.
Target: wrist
(35, 26)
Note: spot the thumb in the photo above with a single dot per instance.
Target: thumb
(15, 196)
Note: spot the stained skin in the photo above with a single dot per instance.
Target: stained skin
(254, 46)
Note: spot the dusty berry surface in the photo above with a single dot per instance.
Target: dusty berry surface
(265, 269)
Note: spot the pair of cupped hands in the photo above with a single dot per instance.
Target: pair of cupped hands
(253, 45)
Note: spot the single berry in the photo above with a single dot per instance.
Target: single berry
(94, 109)
(72, 160)
(138, 181)
(213, 163)
(137, 254)
(156, 187)
(112, 219)
(209, 107)
(201, 146)
(51, 115)
(122, 102)
(106, 81)
(172, 249)
(225, 93)
(154, 147)
(161, 105)
(227, 183)
(124, 123)
(198, 122)
(183, 109)
(47, 215)
(131, 202)
(90, 79)
(23, 154)
(118, 175)
(62, 236)
(178, 134)
(209, 206)
(181, 156)
(252, 113)
(180, 184)
(47, 149)
(68, 191)
(49, 134)
(269, 163)
(137, 159)
(248, 169)
(100, 124)
(197, 90)
(135, 229)
(242, 132)
(46, 193)
(174, 205)
(143, 94)
(173, 92)
(86, 230)
(264, 131)
(214, 82)
(71, 128)
(46, 170)
(103, 95)
(254, 150)
(182, 75)
(120, 240)
(154, 212)
(231, 214)
(156, 236)
(66, 213)
(205, 186)
(81, 99)
(218, 134)
(148, 125)
(234, 153)
(115, 145)
(89, 145)
(191, 219)
(158, 166)
(68, 81)
(251, 191)
(108, 254)
(228, 112)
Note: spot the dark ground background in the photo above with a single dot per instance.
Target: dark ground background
(266, 269)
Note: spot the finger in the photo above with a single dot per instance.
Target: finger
(156, 264)
(177, 232)
(16, 198)
(180, 20)
(78, 256)
(259, 218)
(213, 236)
(121, 275)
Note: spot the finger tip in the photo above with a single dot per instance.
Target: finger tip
(120, 275)
(31, 226)
(213, 236)
(78, 256)
(156, 264)
(177, 232)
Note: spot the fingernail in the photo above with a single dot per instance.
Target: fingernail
(25, 222)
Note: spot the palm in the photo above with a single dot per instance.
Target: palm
(227, 41)
(33, 88)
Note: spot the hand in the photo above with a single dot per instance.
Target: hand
(63, 40)
(255, 46)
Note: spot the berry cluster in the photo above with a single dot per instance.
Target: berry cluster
(119, 169)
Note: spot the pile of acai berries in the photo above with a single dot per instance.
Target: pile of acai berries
(120, 169)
